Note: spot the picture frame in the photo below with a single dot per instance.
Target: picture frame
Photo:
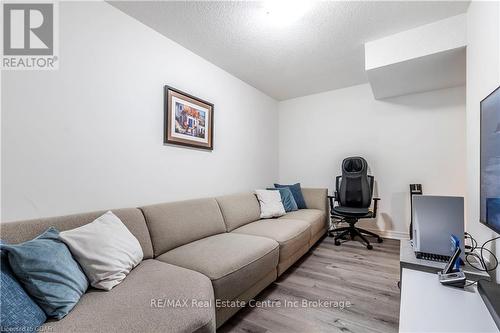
(188, 120)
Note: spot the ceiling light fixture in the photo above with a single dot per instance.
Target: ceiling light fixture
(283, 12)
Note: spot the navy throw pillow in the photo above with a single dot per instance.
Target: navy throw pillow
(286, 198)
(47, 271)
(297, 194)
(18, 312)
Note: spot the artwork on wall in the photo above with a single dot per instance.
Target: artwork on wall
(188, 121)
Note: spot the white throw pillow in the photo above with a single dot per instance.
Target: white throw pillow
(105, 249)
(270, 203)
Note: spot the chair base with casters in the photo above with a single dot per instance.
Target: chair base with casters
(351, 231)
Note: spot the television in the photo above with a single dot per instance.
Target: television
(490, 161)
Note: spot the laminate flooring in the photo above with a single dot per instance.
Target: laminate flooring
(332, 288)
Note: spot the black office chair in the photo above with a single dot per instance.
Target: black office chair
(353, 193)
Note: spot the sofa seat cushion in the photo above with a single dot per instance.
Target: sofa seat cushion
(315, 217)
(133, 306)
(234, 262)
(292, 235)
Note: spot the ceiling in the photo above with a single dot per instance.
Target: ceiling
(318, 47)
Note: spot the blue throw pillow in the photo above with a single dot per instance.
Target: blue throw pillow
(18, 312)
(297, 194)
(287, 198)
(48, 272)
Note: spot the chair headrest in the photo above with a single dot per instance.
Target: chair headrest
(354, 165)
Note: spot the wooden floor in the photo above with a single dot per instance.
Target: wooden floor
(350, 272)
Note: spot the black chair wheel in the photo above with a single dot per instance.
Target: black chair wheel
(379, 240)
(337, 242)
(369, 247)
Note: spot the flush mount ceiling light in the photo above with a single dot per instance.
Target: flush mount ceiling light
(282, 12)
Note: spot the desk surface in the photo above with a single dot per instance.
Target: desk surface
(428, 306)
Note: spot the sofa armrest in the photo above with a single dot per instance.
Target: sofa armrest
(316, 198)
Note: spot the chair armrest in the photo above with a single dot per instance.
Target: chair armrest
(331, 200)
(375, 206)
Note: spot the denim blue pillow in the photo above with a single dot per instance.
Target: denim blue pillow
(297, 194)
(48, 272)
(287, 198)
(18, 312)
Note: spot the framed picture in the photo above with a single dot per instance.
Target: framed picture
(189, 121)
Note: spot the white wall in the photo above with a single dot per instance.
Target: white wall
(483, 76)
(89, 136)
(416, 138)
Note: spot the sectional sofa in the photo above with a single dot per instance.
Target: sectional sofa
(203, 254)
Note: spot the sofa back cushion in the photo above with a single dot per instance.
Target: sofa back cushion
(21, 231)
(239, 209)
(317, 198)
(174, 224)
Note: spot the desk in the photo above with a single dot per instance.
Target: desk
(428, 306)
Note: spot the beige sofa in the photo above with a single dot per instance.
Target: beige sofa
(215, 251)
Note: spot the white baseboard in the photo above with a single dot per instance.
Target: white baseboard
(385, 233)
(390, 233)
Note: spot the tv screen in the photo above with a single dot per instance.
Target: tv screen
(490, 161)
